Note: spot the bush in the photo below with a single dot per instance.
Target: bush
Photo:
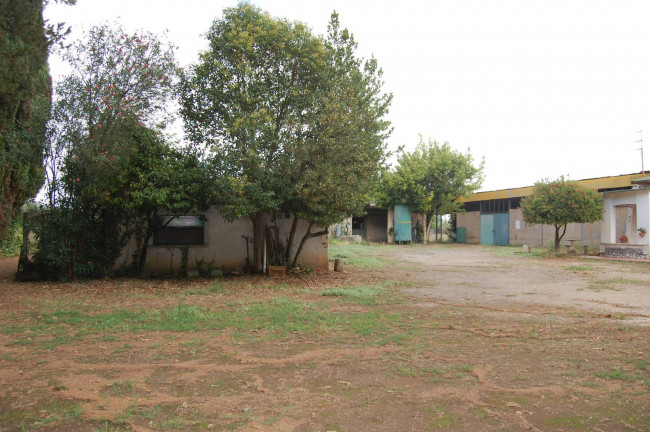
(75, 245)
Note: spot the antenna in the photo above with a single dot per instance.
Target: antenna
(640, 140)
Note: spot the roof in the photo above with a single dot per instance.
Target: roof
(597, 183)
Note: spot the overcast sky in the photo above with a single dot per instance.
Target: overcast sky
(539, 88)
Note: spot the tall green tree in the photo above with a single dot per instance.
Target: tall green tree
(288, 117)
(560, 202)
(25, 100)
(109, 165)
(334, 171)
(430, 178)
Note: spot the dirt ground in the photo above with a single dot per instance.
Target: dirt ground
(458, 338)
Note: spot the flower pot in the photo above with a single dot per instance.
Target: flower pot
(623, 239)
(641, 234)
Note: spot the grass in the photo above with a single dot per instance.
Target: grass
(354, 254)
(363, 294)
(580, 268)
(270, 319)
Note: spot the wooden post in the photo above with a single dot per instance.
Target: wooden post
(338, 265)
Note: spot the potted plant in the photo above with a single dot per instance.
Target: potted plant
(623, 238)
(642, 232)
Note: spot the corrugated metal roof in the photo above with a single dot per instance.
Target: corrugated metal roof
(611, 182)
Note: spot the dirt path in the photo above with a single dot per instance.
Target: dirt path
(478, 276)
(437, 338)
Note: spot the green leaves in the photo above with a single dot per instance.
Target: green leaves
(561, 202)
(295, 122)
(430, 178)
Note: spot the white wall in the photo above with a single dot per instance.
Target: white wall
(638, 197)
(225, 248)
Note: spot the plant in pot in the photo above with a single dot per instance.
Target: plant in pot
(642, 232)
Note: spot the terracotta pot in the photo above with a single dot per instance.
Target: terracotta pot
(641, 234)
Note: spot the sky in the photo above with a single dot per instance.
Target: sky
(540, 89)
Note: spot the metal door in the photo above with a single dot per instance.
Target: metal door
(402, 222)
(487, 229)
(501, 225)
(494, 229)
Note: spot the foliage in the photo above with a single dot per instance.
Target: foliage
(430, 178)
(24, 103)
(559, 203)
(13, 239)
(25, 100)
(293, 121)
(109, 166)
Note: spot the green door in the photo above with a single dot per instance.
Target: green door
(487, 229)
(402, 221)
(494, 229)
(501, 222)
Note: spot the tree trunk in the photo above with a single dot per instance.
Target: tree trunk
(144, 249)
(425, 240)
(256, 219)
(306, 237)
(558, 237)
(428, 229)
(292, 235)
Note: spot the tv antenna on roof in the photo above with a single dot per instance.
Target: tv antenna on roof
(640, 140)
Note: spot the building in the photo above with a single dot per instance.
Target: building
(212, 243)
(626, 221)
(495, 217)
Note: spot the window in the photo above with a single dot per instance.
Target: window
(180, 230)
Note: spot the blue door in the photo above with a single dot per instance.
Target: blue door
(501, 236)
(402, 222)
(494, 229)
(487, 229)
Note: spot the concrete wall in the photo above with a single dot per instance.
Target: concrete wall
(472, 221)
(225, 247)
(519, 232)
(544, 235)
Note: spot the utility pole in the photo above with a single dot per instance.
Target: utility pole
(640, 140)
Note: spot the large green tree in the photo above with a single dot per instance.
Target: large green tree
(110, 167)
(559, 203)
(430, 179)
(294, 122)
(25, 100)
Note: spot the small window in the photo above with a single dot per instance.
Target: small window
(180, 230)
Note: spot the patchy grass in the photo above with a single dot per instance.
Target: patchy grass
(343, 351)
(578, 268)
(357, 255)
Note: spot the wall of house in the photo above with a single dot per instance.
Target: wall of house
(390, 225)
(640, 198)
(225, 248)
(472, 221)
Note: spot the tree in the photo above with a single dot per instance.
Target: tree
(559, 203)
(430, 179)
(25, 100)
(333, 172)
(294, 122)
(108, 163)
(159, 177)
